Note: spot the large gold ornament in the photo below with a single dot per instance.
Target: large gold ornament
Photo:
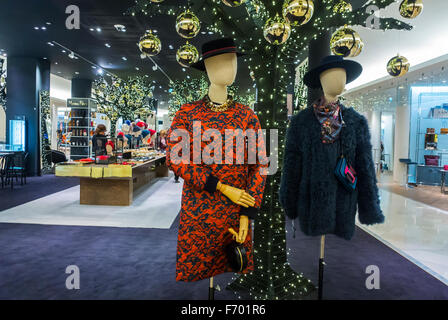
(149, 45)
(188, 25)
(346, 42)
(342, 7)
(187, 54)
(398, 66)
(276, 30)
(233, 3)
(411, 8)
(298, 12)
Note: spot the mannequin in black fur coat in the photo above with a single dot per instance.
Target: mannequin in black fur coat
(309, 188)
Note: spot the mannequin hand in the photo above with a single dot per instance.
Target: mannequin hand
(236, 195)
(244, 228)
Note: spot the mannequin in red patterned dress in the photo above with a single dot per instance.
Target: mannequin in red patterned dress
(217, 197)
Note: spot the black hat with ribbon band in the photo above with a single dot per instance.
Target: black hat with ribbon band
(352, 68)
(214, 48)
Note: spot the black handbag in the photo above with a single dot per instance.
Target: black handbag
(236, 255)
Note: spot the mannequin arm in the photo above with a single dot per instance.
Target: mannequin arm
(369, 210)
(238, 196)
(240, 237)
(291, 173)
(256, 179)
(194, 174)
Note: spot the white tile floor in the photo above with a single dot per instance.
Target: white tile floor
(417, 231)
(154, 207)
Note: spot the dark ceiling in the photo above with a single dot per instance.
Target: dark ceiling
(18, 20)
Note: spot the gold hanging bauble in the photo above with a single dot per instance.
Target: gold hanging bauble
(346, 42)
(276, 30)
(149, 44)
(411, 8)
(187, 54)
(298, 12)
(188, 25)
(398, 66)
(342, 7)
(157, 1)
(233, 3)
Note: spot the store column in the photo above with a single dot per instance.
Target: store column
(26, 78)
(374, 121)
(81, 88)
(401, 149)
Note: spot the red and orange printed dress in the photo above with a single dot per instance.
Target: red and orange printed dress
(206, 214)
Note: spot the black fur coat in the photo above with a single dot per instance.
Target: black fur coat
(309, 189)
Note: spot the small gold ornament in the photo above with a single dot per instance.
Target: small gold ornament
(157, 1)
(346, 42)
(233, 3)
(410, 9)
(218, 108)
(276, 30)
(298, 12)
(187, 54)
(149, 45)
(188, 25)
(342, 7)
(398, 66)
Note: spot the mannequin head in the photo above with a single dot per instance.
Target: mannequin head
(333, 83)
(221, 69)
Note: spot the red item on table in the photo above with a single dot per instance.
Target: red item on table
(445, 167)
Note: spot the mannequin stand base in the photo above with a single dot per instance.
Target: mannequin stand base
(321, 279)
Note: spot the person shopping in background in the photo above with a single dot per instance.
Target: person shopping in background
(99, 140)
(162, 140)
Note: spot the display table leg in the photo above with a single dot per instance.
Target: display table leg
(108, 192)
(162, 171)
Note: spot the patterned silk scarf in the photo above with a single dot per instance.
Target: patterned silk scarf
(329, 117)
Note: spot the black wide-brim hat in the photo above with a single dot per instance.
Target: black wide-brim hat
(214, 48)
(352, 68)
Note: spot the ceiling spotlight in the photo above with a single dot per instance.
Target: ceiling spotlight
(63, 51)
(55, 63)
(91, 29)
(43, 28)
(98, 29)
(183, 69)
(100, 71)
(154, 68)
(71, 55)
(171, 47)
(154, 31)
(137, 68)
(76, 72)
(48, 23)
(210, 32)
(124, 58)
(93, 67)
(120, 28)
(107, 45)
(36, 28)
(50, 43)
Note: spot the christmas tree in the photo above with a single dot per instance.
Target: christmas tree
(273, 65)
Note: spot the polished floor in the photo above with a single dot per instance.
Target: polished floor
(153, 207)
(415, 229)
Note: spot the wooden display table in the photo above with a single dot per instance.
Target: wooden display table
(113, 185)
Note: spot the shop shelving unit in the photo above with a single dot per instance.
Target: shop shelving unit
(81, 125)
